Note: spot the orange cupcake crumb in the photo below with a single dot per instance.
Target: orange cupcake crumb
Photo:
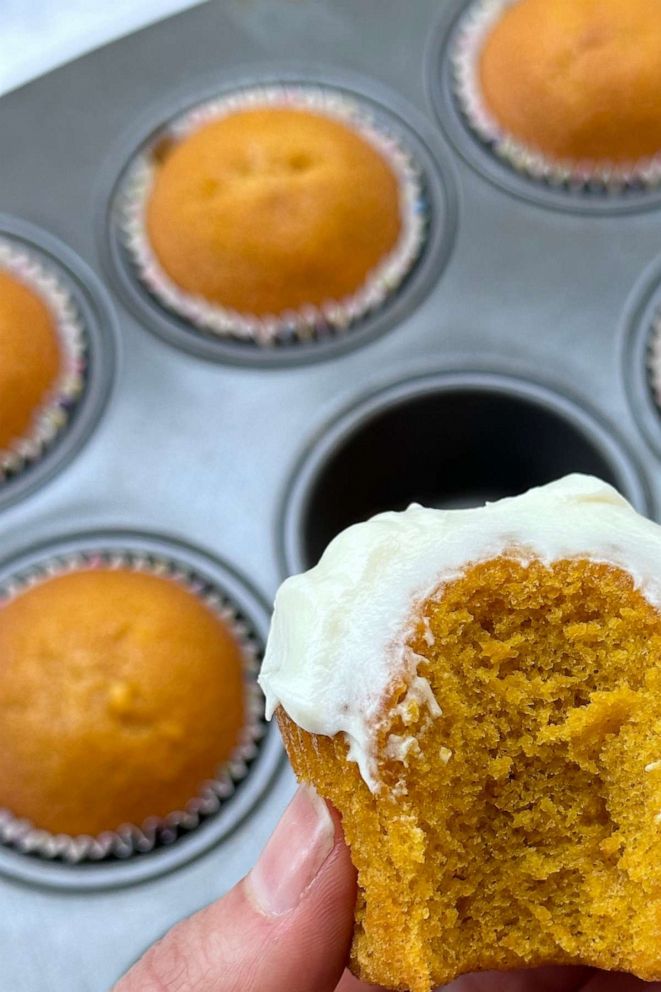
(523, 826)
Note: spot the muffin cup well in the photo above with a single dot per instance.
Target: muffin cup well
(309, 322)
(492, 435)
(587, 176)
(131, 839)
(54, 415)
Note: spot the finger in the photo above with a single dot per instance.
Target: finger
(285, 928)
(526, 980)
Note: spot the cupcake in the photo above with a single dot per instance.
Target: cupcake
(479, 694)
(126, 703)
(566, 90)
(274, 213)
(41, 358)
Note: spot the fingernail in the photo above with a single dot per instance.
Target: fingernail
(294, 855)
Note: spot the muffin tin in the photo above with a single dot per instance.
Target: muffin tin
(515, 352)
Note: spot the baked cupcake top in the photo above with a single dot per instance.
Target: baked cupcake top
(121, 694)
(30, 358)
(340, 631)
(271, 209)
(576, 80)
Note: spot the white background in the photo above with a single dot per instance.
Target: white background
(37, 35)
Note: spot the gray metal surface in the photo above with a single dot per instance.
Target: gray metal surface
(533, 299)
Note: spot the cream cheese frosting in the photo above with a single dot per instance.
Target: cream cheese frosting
(339, 632)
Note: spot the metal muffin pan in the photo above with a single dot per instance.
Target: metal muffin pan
(526, 330)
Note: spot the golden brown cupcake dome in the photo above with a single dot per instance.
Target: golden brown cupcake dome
(327, 217)
(42, 374)
(159, 717)
(558, 89)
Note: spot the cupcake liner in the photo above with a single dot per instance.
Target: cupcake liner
(654, 359)
(131, 839)
(473, 30)
(54, 415)
(309, 322)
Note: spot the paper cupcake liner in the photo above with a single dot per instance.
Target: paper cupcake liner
(309, 322)
(54, 415)
(473, 30)
(654, 359)
(131, 839)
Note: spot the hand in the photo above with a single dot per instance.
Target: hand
(287, 926)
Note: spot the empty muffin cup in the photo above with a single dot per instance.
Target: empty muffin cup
(140, 747)
(295, 201)
(451, 441)
(45, 370)
(583, 172)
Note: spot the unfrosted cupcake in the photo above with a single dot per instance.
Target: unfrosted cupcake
(126, 703)
(275, 212)
(41, 358)
(565, 89)
(478, 692)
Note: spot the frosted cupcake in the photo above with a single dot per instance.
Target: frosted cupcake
(42, 358)
(274, 214)
(479, 694)
(565, 90)
(127, 702)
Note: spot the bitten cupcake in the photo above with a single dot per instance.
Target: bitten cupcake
(41, 358)
(126, 704)
(566, 90)
(478, 692)
(275, 213)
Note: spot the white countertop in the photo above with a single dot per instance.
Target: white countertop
(38, 35)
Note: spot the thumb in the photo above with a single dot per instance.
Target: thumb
(285, 928)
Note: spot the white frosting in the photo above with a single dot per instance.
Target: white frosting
(339, 631)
